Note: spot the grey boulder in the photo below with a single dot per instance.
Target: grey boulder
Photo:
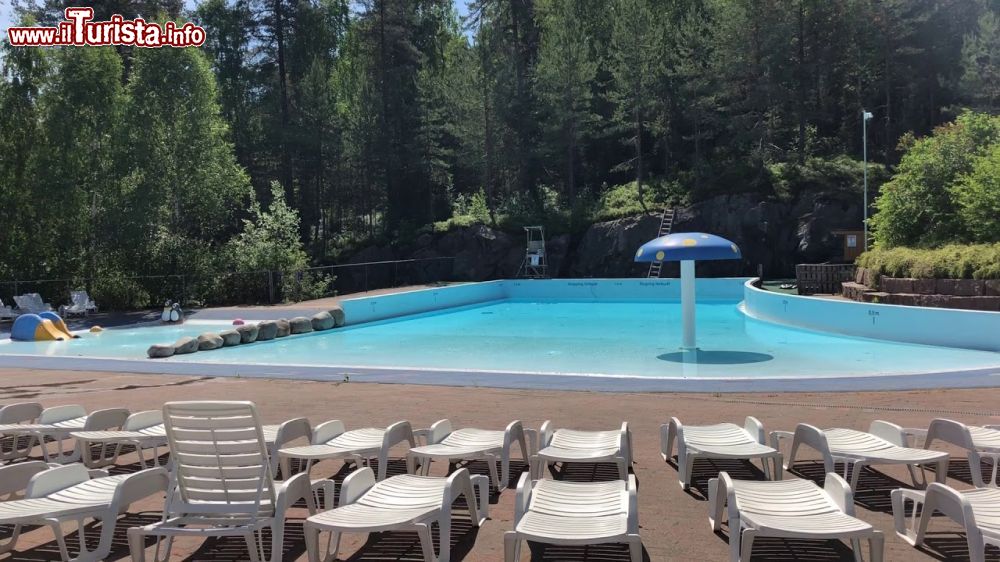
(267, 330)
(230, 338)
(158, 351)
(284, 328)
(322, 321)
(339, 318)
(209, 341)
(300, 325)
(185, 345)
(248, 333)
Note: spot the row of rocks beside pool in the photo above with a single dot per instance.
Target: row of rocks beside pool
(249, 333)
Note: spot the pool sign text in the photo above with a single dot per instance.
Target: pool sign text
(79, 30)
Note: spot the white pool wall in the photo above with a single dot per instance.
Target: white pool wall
(381, 307)
(970, 329)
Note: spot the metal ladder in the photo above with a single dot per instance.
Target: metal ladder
(666, 225)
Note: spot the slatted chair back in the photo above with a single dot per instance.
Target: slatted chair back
(220, 460)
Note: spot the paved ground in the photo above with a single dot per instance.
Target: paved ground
(674, 523)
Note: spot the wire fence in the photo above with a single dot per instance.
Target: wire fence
(136, 292)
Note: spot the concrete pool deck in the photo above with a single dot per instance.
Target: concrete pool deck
(674, 524)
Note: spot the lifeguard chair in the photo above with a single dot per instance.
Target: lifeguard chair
(535, 264)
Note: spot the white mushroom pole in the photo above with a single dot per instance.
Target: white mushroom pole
(687, 304)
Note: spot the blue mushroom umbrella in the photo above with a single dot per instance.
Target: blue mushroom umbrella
(687, 248)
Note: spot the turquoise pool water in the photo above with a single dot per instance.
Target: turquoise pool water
(599, 337)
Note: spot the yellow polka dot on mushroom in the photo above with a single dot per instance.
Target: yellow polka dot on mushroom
(690, 242)
(659, 255)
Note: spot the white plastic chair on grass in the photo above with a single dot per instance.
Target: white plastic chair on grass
(443, 442)
(400, 503)
(331, 440)
(575, 514)
(718, 441)
(788, 509)
(974, 510)
(883, 444)
(221, 483)
(71, 493)
(570, 445)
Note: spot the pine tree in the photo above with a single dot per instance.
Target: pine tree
(981, 64)
(634, 61)
(564, 78)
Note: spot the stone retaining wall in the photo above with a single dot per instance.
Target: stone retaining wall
(972, 294)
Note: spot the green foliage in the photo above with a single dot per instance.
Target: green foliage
(954, 261)
(918, 206)
(269, 242)
(840, 174)
(981, 63)
(624, 200)
(269, 239)
(978, 197)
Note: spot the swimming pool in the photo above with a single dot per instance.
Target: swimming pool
(588, 334)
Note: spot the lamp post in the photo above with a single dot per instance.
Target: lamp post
(865, 117)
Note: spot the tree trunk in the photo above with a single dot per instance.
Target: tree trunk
(286, 156)
(801, 94)
(570, 157)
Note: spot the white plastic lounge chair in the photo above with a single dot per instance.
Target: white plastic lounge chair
(31, 303)
(80, 303)
(980, 442)
(221, 483)
(331, 440)
(575, 514)
(6, 312)
(788, 509)
(54, 496)
(18, 445)
(468, 444)
(570, 445)
(974, 510)
(145, 430)
(884, 443)
(59, 422)
(142, 430)
(401, 503)
(719, 441)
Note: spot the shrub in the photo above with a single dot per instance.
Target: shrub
(623, 200)
(978, 197)
(954, 261)
(918, 207)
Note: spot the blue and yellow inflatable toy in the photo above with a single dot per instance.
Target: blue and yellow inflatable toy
(47, 326)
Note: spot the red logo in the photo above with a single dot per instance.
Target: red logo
(79, 30)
